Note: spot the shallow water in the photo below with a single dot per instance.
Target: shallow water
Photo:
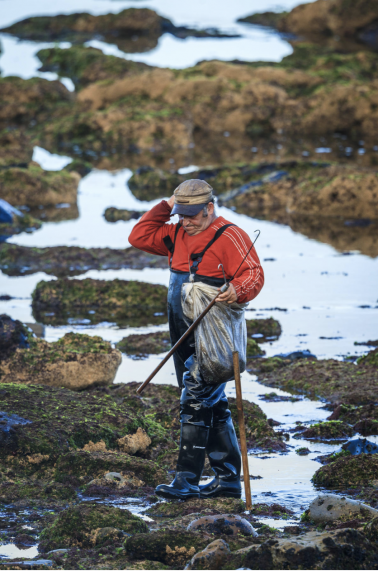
(320, 289)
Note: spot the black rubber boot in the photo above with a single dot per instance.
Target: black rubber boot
(190, 464)
(225, 460)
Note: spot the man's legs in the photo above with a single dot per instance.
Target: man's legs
(224, 455)
(196, 414)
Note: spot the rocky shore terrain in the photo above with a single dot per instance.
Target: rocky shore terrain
(80, 452)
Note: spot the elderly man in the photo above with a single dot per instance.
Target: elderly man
(197, 245)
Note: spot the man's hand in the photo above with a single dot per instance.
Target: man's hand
(171, 201)
(228, 296)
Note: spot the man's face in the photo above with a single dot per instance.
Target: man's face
(195, 224)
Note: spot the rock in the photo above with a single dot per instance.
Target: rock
(53, 423)
(13, 221)
(148, 183)
(254, 349)
(366, 426)
(168, 546)
(222, 525)
(34, 491)
(337, 549)
(348, 471)
(352, 414)
(371, 530)
(360, 446)
(16, 148)
(114, 300)
(13, 335)
(269, 19)
(330, 507)
(115, 214)
(370, 359)
(135, 472)
(212, 557)
(335, 381)
(64, 261)
(115, 477)
(85, 65)
(75, 362)
(146, 344)
(35, 187)
(133, 443)
(105, 534)
(175, 509)
(333, 429)
(79, 526)
(133, 29)
(324, 19)
(303, 451)
(295, 355)
(266, 329)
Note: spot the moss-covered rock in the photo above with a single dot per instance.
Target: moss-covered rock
(141, 346)
(31, 489)
(174, 509)
(370, 359)
(13, 335)
(34, 186)
(171, 546)
(85, 65)
(18, 222)
(348, 472)
(269, 19)
(64, 261)
(16, 148)
(259, 432)
(51, 422)
(270, 329)
(115, 214)
(99, 300)
(333, 429)
(75, 362)
(77, 526)
(254, 349)
(329, 379)
(133, 29)
(364, 418)
(148, 183)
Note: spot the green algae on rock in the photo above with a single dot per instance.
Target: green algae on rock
(99, 300)
(148, 183)
(115, 214)
(335, 381)
(176, 508)
(348, 472)
(77, 525)
(269, 329)
(22, 222)
(143, 345)
(254, 349)
(75, 362)
(35, 187)
(85, 65)
(35, 489)
(168, 546)
(331, 430)
(370, 359)
(64, 261)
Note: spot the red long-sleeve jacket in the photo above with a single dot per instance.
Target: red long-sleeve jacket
(229, 250)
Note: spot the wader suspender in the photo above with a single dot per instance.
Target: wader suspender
(197, 258)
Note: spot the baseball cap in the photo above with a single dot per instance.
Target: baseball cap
(191, 196)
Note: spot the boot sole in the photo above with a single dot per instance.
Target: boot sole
(176, 496)
(221, 495)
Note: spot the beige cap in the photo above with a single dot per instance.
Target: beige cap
(191, 196)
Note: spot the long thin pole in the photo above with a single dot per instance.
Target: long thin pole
(181, 340)
(243, 439)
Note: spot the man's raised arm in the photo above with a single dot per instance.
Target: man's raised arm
(148, 233)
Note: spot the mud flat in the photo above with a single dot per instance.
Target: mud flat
(99, 300)
(63, 261)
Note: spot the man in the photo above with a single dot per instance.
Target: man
(196, 246)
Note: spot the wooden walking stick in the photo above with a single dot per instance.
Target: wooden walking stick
(243, 439)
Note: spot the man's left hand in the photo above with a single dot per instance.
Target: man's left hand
(228, 296)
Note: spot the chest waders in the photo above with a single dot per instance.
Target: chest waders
(206, 424)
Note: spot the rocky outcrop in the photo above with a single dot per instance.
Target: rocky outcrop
(335, 381)
(331, 507)
(85, 65)
(331, 430)
(115, 214)
(264, 329)
(35, 187)
(340, 18)
(140, 346)
(132, 30)
(348, 472)
(97, 300)
(75, 362)
(63, 261)
(80, 526)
